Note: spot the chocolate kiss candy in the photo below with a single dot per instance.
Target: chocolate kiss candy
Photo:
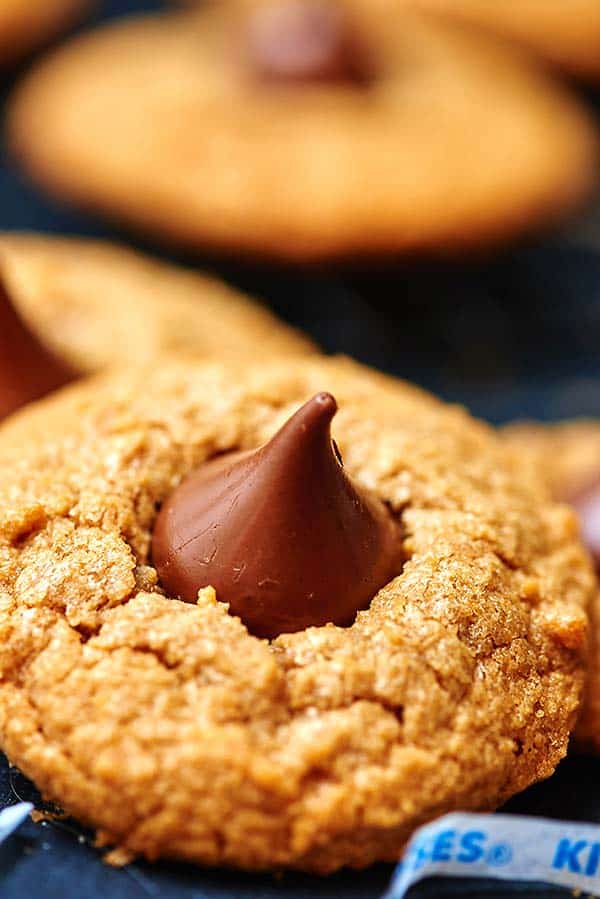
(587, 505)
(28, 371)
(305, 40)
(282, 533)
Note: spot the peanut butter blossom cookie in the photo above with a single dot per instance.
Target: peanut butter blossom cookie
(565, 32)
(97, 304)
(304, 131)
(26, 24)
(220, 642)
(567, 458)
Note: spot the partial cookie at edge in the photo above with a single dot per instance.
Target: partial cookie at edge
(565, 32)
(26, 25)
(99, 304)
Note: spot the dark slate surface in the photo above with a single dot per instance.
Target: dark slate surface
(513, 336)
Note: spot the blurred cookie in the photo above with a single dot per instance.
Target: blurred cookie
(566, 454)
(97, 304)
(300, 133)
(27, 24)
(567, 457)
(565, 32)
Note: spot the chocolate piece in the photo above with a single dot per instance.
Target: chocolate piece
(28, 371)
(587, 505)
(282, 533)
(305, 40)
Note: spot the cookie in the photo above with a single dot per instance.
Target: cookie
(566, 454)
(25, 25)
(97, 304)
(564, 32)
(567, 458)
(172, 729)
(304, 135)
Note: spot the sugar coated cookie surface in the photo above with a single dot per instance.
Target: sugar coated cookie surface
(25, 24)
(172, 730)
(446, 140)
(98, 304)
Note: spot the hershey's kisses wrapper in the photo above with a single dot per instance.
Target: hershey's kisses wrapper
(502, 847)
(12, 817)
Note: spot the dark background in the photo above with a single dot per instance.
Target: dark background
(512, 336)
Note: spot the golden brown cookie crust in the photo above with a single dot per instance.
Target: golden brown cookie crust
(98, 304)
(176, 733)
(565, 32)
(183, 143)
(25, 25)
(567, 458)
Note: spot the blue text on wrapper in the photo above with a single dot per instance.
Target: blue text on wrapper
(506, 847)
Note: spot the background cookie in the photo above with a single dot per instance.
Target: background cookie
(99, 304)
(567, 456)
(169, 727)
(160, 123)
(26, 24)
(565, 32)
